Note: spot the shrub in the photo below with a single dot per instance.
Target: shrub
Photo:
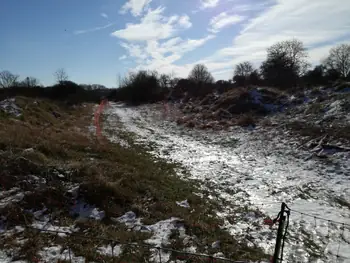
(140, 87)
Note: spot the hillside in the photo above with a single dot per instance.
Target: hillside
(67, 194)
(263, 147)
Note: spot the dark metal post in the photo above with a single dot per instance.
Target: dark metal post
(282, 219)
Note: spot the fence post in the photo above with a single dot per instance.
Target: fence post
(282, 219)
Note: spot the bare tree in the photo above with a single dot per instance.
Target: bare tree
(164, 81)
(292, 52)
(200, 73)
(61, 75)
(339, 60)
(7, 79)
(30, 82)
(173, 82)
(244, 69)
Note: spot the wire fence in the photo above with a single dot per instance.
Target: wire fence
(338, 238)
(157, 255)
(117, 251)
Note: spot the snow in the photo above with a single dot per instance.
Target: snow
(54, 254)
(10, 107)
(129, 219)
(107, 250)
(260, 171)
(43, 221)
(334, 108)
(11, 199)
(47, 254)
(86, 211)
(161, 232)
(257, 99)
(183, 204)
(10, 196)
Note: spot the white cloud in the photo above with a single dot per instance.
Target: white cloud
(153, 26)
(161, 56)
(209, 3)
(104, 15)
(242, 8)
(223, 20)
(185, 22)
(136, 7)
(319, 24)
(122, 57)
(135, 51)
(78, 32)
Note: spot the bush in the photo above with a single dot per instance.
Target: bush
(138, 88)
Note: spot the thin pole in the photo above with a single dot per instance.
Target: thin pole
(276, 256)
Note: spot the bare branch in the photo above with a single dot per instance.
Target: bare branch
(200, 73)
(61, 75)
(7, 79)
(339, 60)
(244, 69)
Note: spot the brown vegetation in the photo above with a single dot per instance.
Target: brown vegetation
(43, 154)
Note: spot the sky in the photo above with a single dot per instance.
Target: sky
(97, 41)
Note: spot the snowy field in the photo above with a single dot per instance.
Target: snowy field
(250, 172)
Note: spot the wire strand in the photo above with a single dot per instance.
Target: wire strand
(116, 242)
(320, 218)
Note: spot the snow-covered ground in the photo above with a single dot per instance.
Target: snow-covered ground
(250, 172)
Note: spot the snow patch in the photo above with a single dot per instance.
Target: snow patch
(14, 198)
(161, 232)
(334, 108)
(257, 99)
(109, 251)
(129, 219)
(43, 221)
(53, 254)
(9, 106)
(85, 211)
(183, 204)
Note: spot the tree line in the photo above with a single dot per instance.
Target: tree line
(63, 90)
(286, 67)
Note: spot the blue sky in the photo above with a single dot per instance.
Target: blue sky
(94, 41)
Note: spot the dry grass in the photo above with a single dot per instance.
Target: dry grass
(245, 120)
(313, 131)
(114, 178)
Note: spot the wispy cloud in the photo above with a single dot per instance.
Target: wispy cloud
(122, 57)
(223, 20)
(136, 7)
(160, 56)
(319, 24)
(253, 6)
(185, 22)
(153, 26)
(104, 15)
(301, 19)
(209, 3)
(78, 32)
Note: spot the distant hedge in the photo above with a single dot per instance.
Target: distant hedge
(66, 91)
